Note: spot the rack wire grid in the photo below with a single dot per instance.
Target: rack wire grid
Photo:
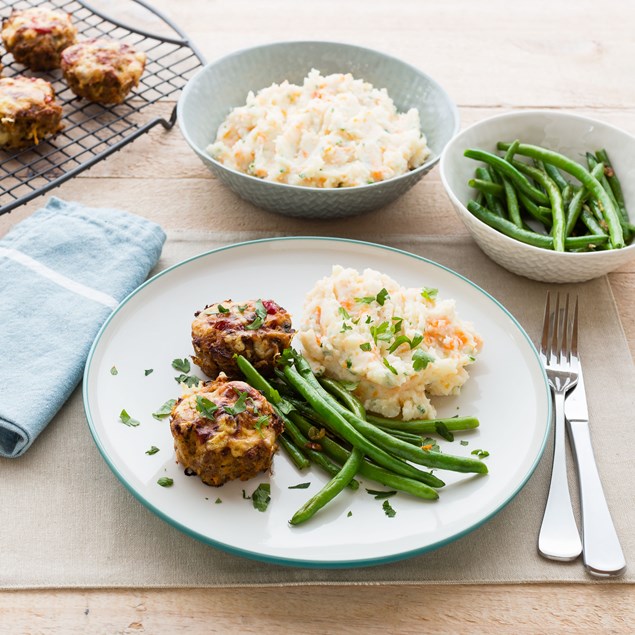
(91, 131)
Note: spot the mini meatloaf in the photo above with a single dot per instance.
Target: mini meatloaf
(28, 111)
(103, 71)
(258, 330)
(224, 430)
(36, 37)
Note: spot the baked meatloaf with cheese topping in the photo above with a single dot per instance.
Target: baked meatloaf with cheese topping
(36, 37)
(258, 330)
(28, 111)
(224, 430)
(101, 70)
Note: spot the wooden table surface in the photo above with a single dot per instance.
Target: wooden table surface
(491, 57)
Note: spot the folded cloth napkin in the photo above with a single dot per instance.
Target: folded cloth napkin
(62, 272)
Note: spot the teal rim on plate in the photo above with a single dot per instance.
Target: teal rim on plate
(299, 562)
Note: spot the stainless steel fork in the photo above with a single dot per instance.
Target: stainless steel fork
(559, 537)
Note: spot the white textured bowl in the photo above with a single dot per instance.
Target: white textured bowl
(570, 134)
(222, 85)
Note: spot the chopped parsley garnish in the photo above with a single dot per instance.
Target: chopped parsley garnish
(429, 293)
(114, 371)
(430, 445)
(206, 407)
(382, 296)
(349, 363)
(218, 501)
(148, 371)
(152, 450)
(165, 410)
(344, 313)
(182, 365)
(263, 421)
(222, 309)
(392, 369)
(368, 319)
(416, 340)
(366, 346)
(300, 486)
(345, 327)
(261, 314)
(402, 339)
(388, 510)
(442, 431)
(261, 497)
(349, 514)
(381, 494)
(165, 481)
(367, 299)
(396, 327)
(242, 308)
(240, 405)
(127, 420)
(463, 442)
(189, 380)
(421, 359)
(481, 454)
(382, 332)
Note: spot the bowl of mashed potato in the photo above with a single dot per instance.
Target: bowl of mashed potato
(316, 129)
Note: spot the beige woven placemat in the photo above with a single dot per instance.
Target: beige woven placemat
(66, 521)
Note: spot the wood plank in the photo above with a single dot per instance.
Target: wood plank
(315, 610)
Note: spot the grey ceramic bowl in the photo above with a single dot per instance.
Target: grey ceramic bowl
(224, 84)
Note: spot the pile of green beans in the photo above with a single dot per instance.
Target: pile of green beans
(540, 205)
(349, 442)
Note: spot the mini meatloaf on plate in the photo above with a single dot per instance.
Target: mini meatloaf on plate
(258, 330)
(28, 111)
(36, 37)
(103, 71)
(224, 430)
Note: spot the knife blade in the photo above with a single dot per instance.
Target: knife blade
(601, 552)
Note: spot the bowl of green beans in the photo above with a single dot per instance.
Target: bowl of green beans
(545, 194)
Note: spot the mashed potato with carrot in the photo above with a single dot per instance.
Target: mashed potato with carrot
(333, 131)
(400, 345)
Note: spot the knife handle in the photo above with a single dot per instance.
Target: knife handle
(602, 554)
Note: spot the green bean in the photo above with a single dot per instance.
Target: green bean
(584, 176)
(557, 206)
(614, 183)
(484, 174)
(293, 452)
(396, 447)
(413, 439)
(589, 221)
(540, 213)
(425, 426)
(575, 206)
(529, 237)
(379, 474)
(511, 151)
(330, 490)
(344, 429)
(513, 210)
(345, 397)
(507, 169)
(486, 187)
(555, 175)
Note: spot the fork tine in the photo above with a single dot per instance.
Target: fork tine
(544, 342)
(554, 350)
(574, 332)
(565, 349)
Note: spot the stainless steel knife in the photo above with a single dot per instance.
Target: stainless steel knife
(602, 554)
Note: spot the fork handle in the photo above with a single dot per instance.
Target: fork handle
(603, 554)
(559, 538)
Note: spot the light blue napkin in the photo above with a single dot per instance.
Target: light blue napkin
(62, 272)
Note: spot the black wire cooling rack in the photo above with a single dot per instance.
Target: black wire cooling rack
(91, 131)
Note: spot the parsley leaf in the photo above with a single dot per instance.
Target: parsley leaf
(148, 371)
(349, 514)
(127, 420)
(421, 359)
(382, 296)
(261, 314)
(463, 442)
(165, 481)
(392, 369)
(189, 380)
(381, 332)
(481, 454)
(165, 410)
(380, 494)
(114, 371)
(442, 430)
(429, 294)
(218, 501)
(206, 407)
(402, 339)
(345, 327)
(430, 445)
(182, 365)
(366, 346)
(152, 450)
(300, 486)
(367, 299)
(416, 340)
(222, 309)
(240, 405)
(265, 420)
(388, 510)
(344, 313)
(261, 497)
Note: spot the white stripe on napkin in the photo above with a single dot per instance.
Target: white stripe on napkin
(58, 278)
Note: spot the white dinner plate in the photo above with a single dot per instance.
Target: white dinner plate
(507, 391)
